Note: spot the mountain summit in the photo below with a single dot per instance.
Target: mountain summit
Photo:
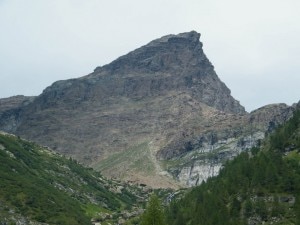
(171, 63)
(158, 102)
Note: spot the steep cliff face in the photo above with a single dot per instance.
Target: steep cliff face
(159, 102)
(217, 147)
(207, 161)
(11, 110)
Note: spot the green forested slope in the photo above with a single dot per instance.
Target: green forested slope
(257, 187)
(39, 185)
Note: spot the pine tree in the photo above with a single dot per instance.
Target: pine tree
(153, 214)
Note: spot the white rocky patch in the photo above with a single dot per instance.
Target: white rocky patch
(201, 169)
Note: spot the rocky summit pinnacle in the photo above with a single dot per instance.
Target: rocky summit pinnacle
(161, 53)
(173, 62)
(132, 117)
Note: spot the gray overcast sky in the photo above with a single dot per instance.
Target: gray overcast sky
(254, 45)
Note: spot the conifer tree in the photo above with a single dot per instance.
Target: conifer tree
(153, 214)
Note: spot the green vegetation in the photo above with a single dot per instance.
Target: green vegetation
(137, 158)
(42, 186)
(260, 186)
(287, 136)
(153, 214)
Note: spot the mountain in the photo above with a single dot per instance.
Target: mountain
(39, 186)
(227, 137)
(10, 109)
(158, 115)
(261, 186)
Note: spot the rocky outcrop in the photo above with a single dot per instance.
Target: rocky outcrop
(270, 116)
(207, 161)
(11, 110)
(216, 148)
(159, 102)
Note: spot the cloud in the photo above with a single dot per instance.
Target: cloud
(253, 44)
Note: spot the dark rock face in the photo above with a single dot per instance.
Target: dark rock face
(171, 63)
(165, 96)
(270, 116)
(11, 111)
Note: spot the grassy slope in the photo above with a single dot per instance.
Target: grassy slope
(136, 159)
(45, 187)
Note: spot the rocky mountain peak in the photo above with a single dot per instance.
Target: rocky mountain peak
(170, 63)
(191, 38)
(171, 52)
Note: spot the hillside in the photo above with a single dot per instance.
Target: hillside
(159, 115)
(261, 186)
(39, 186)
